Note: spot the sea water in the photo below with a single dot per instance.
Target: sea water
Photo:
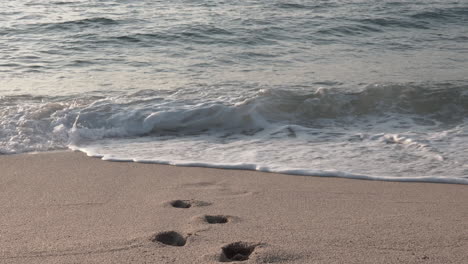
(360, 89)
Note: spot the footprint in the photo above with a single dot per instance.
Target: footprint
(181, 204)
(186, 203)
(237, 251)
(216, 219)
(170, 238)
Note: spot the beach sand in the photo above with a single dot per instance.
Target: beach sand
(64, 207)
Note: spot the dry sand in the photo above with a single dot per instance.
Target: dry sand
(68, 208)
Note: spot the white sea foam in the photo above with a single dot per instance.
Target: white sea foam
(275, 169)
(324, 133)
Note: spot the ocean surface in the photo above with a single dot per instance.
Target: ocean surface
(359, 89)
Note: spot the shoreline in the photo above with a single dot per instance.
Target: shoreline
(292, 172)
(65, 207)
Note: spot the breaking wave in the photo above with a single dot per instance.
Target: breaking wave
(412, 124)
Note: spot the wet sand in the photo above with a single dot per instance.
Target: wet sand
(64, 207)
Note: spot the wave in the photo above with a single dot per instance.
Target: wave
(457, 14)
(53, 28)
(308, 6)
(417, 127)
(202, 34)
(65, 3)
(440, 102)
(96, 118)
(394, 22)
(269, 107)
(86, 22)
(406, 19)
(348, 30)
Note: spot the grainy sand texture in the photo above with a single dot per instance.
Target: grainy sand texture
(65, 207)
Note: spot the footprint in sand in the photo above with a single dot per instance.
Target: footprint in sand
(237, 251)
(181, 204)
(170, 238)
(216, 219)
(186, 203)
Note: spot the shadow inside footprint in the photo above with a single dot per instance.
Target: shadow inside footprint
(181, 204)
(170, 238)
(238, 251)
(216, 219)
(186, 203)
